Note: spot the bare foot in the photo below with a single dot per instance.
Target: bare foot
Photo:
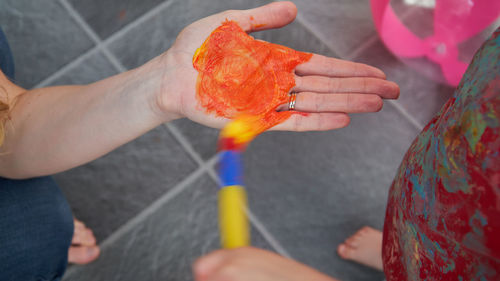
(364, 247)
(83, 247)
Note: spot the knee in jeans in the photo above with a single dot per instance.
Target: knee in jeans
(37, 228)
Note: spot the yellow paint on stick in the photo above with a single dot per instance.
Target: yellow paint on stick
(233, 222)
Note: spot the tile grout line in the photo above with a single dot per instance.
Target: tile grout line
(407, 115)
(368, 43)
(93, 36)
(152, 208)
(144, 17)
(184, 143)
(351, 55)
(69, 8)
(61, 71)
(306, 25)
(267, 235)
(104, 43)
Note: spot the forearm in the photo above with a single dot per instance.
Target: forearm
(57, 128)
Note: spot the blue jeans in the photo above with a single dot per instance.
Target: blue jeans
(36, 228)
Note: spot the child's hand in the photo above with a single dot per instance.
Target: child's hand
(252, 264)
(327, 88)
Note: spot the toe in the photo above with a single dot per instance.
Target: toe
(83, 255)
(84, 237)
(77, 236)
(78, 224)
(88, 238)
(355, 239)
(352, 241)
(344, 251)
(366, 230)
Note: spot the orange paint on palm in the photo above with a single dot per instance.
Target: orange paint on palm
(239, 75)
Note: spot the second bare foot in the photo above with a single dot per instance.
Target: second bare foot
(364, 247)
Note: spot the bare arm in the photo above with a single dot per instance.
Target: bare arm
(56, 128)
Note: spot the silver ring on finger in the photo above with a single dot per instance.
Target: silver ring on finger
(292, 101)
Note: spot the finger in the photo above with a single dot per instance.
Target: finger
(273, 15)
(348, 103)
(82, 255)
(362, 85)
(205, 266)
(314, 122)
(326, 66)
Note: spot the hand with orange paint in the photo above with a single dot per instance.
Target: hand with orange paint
(327, 89)
(252, 264)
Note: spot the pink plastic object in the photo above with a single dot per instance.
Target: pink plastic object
(454, 22)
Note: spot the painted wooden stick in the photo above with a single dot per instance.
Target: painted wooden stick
(233, 221)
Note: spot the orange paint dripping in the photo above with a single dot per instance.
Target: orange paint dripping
(239, 75)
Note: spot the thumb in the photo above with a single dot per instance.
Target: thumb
(273, 15)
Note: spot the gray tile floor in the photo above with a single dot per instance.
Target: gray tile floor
(151, 202)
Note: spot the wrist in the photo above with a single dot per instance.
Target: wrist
(150, 86)
(160, 78)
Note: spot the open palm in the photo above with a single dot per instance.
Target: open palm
(327, 88)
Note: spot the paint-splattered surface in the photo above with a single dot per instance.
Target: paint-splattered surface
(443, 214)
(241, 75)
